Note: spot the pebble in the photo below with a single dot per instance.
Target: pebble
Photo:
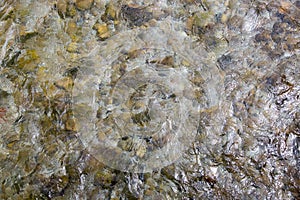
(71, 125)
(84, 4)
(65, 83)
(72, 47)
(103, 31)
(62, 7)
(141, 150)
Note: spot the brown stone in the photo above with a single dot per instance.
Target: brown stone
(168, 60)
(110, 13)
(65, 83)
(84, 4)
(264, 36)
(62, 7)
(72, 47)
(103, 31)
(71, 124)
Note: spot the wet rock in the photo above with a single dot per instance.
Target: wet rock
(142, 119)
(255, 156)
(25, 34)
(110, 13)
(126, 143)
(167, 61)
(278, 31)
(72, 29)
(150, 191)
(105, 178)
(71, 10)
(136, 16)
(12, 141)
(136, 146)
(224, 61)
(132, 54)
(2, 114)
(224, 17)
(72, 124)
(217, 44)
(54, 186)
(197, 79)
(292, 43)
(65, 83)
(72, 47)
(141, 150)
(235, 23)
(62, 7)
(72, 72)
(281, 37)
(28, 62)
(103, 31)
(200, 22)
(84, 4)
(264, 36)
(5, 85)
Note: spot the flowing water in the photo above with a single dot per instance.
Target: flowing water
(183, 99)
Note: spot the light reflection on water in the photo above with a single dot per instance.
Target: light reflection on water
(222, 117)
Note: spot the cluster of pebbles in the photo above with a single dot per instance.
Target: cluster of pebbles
(184, 99)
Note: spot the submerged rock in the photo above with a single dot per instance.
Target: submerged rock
(84, 4)
(149, 99)
(103, 31)
(136, 16)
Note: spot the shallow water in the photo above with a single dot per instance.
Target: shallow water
(182, 99)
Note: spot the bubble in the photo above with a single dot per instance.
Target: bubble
(138, 102)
